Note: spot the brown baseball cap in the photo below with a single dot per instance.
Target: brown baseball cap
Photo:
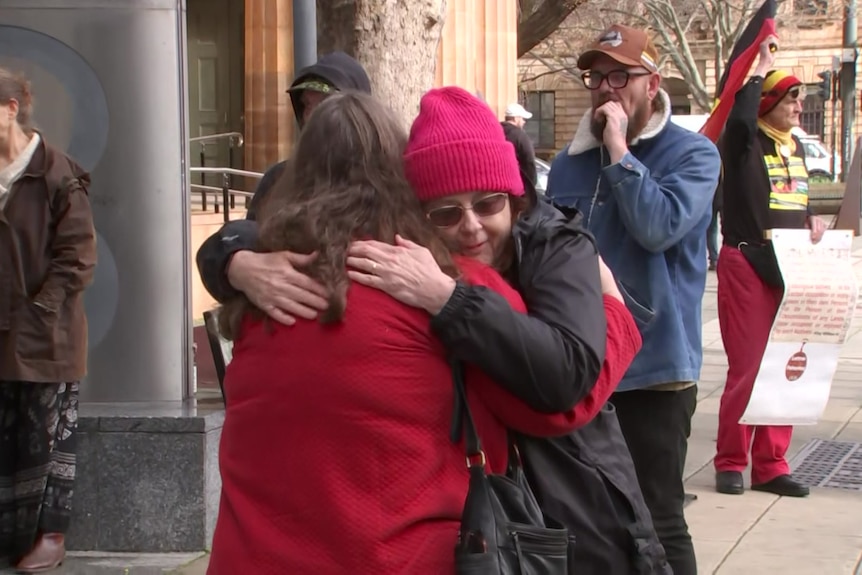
(628, 46)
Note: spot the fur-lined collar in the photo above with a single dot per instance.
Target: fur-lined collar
(584, 139)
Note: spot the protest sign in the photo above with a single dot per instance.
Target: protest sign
(795, 377)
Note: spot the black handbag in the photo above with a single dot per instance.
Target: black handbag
(503, 531)
(762, 259)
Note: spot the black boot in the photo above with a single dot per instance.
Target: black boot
(783, 485)
(729, 482)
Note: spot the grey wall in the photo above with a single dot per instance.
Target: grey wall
(109, 87)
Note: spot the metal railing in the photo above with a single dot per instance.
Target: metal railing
(228, 194)
(226, 191)
(235, 140)
(231, 136)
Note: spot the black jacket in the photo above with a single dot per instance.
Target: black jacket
(523, 151)
(585, 480)
(746, 186)
(336, 69)
(550, 358)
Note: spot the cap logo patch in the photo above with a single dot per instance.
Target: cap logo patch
(611, 38)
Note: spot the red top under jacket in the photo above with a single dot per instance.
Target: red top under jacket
(335, 455)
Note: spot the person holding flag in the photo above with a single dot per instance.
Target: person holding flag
(742, 57)
(765, 187)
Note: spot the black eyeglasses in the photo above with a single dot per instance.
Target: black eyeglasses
(616, 78)
(448, 216)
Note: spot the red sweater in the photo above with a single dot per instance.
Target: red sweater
(335, 455)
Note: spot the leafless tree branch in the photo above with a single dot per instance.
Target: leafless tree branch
(542, 20)
(689, 33)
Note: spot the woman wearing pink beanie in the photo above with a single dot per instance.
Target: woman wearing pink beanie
(571, 349)
(370, 482)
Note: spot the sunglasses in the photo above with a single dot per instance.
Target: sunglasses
(448, 216)
(796, 93)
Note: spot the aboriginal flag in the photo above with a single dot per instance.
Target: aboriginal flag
(744, 53)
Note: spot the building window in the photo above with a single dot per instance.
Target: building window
(810, 7)
(813, 118)
(541, 127)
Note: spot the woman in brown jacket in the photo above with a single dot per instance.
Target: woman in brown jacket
(47, 258)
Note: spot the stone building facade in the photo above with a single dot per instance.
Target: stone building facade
(241, 64)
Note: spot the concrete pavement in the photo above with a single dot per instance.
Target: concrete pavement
(762, 533)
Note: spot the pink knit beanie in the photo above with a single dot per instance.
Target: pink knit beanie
(457, 145)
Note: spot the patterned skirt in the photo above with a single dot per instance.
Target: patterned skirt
(37, 462)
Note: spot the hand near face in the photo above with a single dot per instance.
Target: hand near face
(405, 271)
(616, 123)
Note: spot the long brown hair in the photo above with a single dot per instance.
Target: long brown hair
(344, 182)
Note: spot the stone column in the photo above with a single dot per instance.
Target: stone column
(478, 50)
(269, 120)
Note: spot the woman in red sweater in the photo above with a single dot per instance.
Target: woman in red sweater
(335, 454)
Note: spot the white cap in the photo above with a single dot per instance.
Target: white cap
(517, 111)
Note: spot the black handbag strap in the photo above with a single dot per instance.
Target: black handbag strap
(463, 424)
(462, 418)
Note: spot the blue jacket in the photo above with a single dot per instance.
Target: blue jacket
(649, 214)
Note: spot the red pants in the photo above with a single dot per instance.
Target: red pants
(746, 310)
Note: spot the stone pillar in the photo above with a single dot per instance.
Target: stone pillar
(478, 50)
(499, 79)
(269, 121)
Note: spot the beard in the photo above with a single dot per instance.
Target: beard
(638, 119)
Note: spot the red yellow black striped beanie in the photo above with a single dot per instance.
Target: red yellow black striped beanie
(775, 86)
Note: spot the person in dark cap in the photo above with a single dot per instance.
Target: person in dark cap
(226, 260)
(335, 72)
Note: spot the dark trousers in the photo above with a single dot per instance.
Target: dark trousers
(37, 462)
(656, 425)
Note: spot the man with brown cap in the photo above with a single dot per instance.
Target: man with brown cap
(645, 187)
(765, 187)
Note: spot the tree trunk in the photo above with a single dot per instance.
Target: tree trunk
(395, 40)
(541, 20)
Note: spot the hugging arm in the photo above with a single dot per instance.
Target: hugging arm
(551, 357)
(623, 343)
